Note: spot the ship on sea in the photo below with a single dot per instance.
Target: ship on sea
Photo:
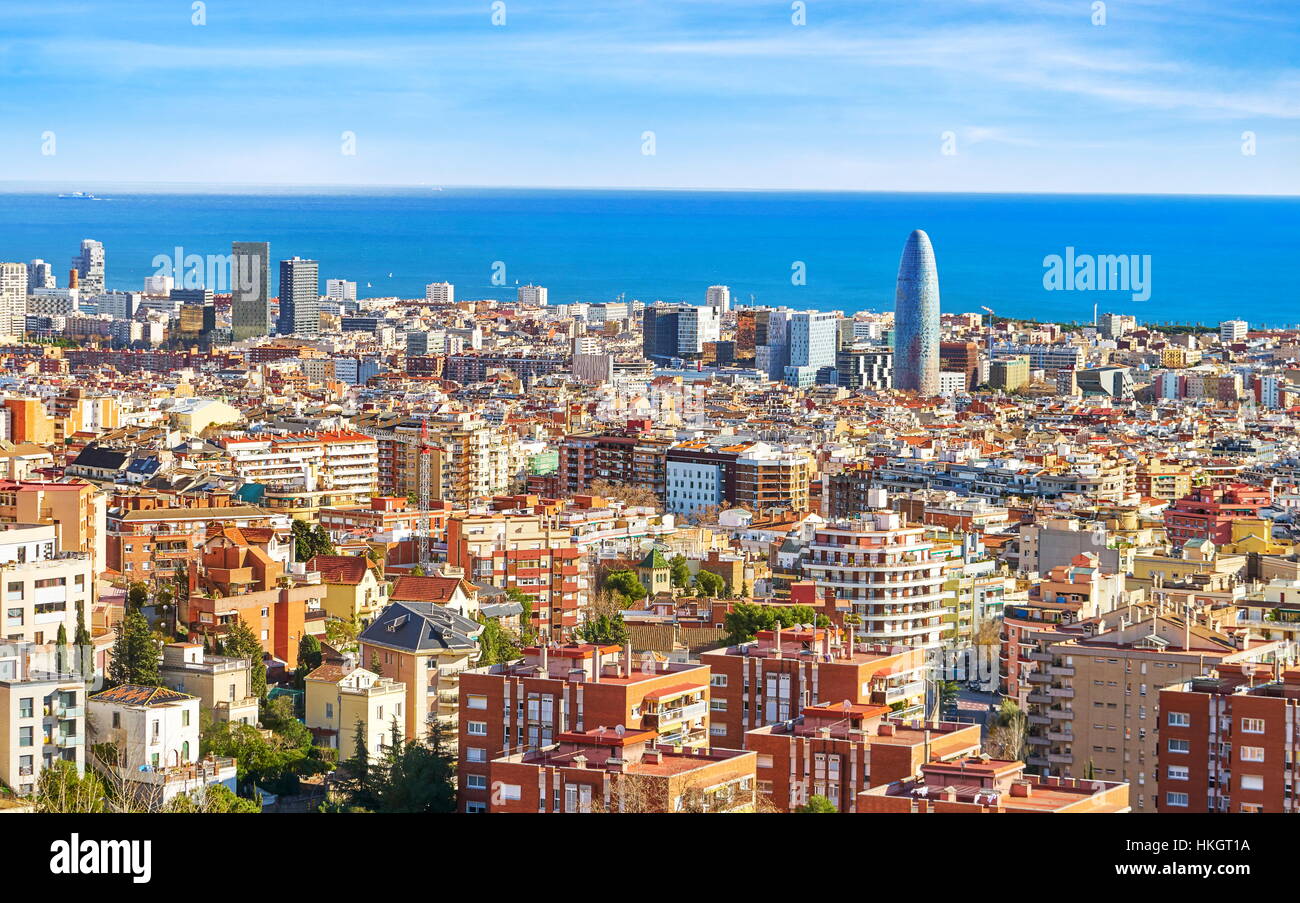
(82, 196)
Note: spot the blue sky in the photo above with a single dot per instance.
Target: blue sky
(1035, 96)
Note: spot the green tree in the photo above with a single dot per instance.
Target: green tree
(274, 762)
(61, 790)
(62, 654)
(679, 571)
(948, 692)
(342, 633)
(817, 803)
(710, 584)
(309, 659)
(216, 799)
(417, 776)
(359, 785)
(417, 571)
(745, 620)
(625, 585)
(605, 629)
(85, 647)
(496, 643)
(241, 642)
(135, 653)
(137, 594)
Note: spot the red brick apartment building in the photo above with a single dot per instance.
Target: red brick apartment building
(837, 750)
(990, 786)
(156, 537)
(524, 552)
(1228, 742)
(616, 770)
(513, 707)
(776, 676)
(1209, 511)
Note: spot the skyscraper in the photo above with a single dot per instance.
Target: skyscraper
(718, 296)
(916, 318)
(250, 289)
(89, 265)
(40, 275)
(13, 298)
(299, 297)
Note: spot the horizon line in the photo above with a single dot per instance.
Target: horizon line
(20, 186)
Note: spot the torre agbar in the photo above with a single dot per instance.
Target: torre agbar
(885, 571)
(916, 318)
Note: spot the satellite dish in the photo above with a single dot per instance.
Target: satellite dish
(848, 705)
(619, 730)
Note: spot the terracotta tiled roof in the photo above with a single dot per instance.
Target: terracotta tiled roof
(428, 589)
(134, 694)
(349, 569)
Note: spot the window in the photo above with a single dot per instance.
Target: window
(185, 717)
(475, 754)
(717, 705)
(718, 680)
(510, 792)
(1252, 725)
(1180, 719)
(1252, 754)
(1179, 746)
(476, 702)
(476, 728)
(25, 707)
(1176, 799)
(1176, 772)
(329, 710)
(25, 736)
(476, 781)
(1252, 782)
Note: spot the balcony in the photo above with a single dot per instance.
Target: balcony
(1061, 692)
(678, 713)
(1061, 714)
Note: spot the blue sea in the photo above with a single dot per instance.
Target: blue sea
(1211, 258)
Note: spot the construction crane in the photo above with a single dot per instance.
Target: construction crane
(423, 465)
(424, 484)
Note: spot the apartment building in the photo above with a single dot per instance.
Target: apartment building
(1104, 691)
(525, 552)
(1208, 513)
(300, 473)
(42, 716)
(153, 733)
(988, 786)
(151, 537)
(1228, 741)
(887, 574)
(752, 475)
(426, 647)
(43, 587)
(608, 769)
(355, 588)
(625, 458)
(839, 749)
(342, 698)
(528, 704)
(222, 685)
(776, 676)
(76, 508)
(234, 577)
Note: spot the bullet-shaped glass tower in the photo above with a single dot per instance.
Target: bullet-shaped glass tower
(916, 318)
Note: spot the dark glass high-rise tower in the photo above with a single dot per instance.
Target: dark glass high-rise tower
(916, 318)
(250, 289)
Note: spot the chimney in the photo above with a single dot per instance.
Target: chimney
(885, 729)
(1022, 789)
(595, 661)
(627, 659)
(73, 275)
(546, 658)
(778, 640)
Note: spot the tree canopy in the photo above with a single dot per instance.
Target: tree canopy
(135, 653)
(745, 620)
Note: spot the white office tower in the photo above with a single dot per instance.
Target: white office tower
(1231, 331)
(697, 326)
(90, 266)
(340, 290)
(719, 297)
(41, 275)
(532, 295)
(440, 293)
(13, 299)
(159, 286)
